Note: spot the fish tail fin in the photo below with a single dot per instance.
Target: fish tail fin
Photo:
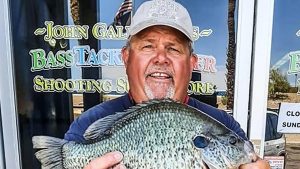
(50, 151)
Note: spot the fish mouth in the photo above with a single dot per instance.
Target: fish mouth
(248, 147)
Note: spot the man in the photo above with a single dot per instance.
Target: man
(159, 61)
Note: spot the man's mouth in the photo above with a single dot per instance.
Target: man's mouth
(159, 84)
(160, 75)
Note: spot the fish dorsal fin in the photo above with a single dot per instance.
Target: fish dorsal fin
(104, 125)
(148, 103)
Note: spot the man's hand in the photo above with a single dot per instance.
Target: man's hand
(106, 161)
(259, 164)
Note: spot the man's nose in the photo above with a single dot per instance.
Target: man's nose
(161, 57)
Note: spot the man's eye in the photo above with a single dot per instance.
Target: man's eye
(147, 46)
(173, 49)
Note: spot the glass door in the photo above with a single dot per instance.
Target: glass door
(65, 58)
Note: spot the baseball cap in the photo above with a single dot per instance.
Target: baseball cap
(162, 12)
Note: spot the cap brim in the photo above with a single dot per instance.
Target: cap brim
(146, 24)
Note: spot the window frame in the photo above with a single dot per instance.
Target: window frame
(260, 45)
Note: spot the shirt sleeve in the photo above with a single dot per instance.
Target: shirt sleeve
(232, 124)
(220, 116)
(80, 124)
(75, 132)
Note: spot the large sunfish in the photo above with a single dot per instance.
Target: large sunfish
(159, 134)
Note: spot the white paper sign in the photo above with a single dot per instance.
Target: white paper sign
(289, 118)
(276, 162)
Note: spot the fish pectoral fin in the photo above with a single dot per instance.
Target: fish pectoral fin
(203, 165)
(227, 162)
(209, 164)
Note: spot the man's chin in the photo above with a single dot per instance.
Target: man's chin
(161, 96)
(159, 93)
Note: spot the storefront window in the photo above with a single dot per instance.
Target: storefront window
(284, 83)
(67, 59)
(211, 21)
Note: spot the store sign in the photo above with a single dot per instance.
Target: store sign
(298, 33)
(201, 88)
(85, 56)
(289, 118)
(276, 162)
(80, 56)
(100, 31)
(206, 63)
(294, 66)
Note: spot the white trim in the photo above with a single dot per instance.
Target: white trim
(261, 67)
(243, 62)
(2, 163)
(7, 92)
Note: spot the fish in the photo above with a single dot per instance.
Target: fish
(155, 134)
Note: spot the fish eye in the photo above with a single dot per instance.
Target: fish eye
(232, 140)
(200, 142)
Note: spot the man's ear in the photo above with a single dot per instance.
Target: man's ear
(125, 55)
(193, 61)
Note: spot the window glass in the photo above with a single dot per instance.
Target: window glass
(271, 125)
(67, 59)
(284, 82)
(210, 19)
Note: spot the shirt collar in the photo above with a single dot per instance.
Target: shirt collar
(186, 99)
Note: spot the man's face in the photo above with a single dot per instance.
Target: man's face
(158, 64)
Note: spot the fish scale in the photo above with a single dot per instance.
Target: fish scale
(158, 134)
(158, 150)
